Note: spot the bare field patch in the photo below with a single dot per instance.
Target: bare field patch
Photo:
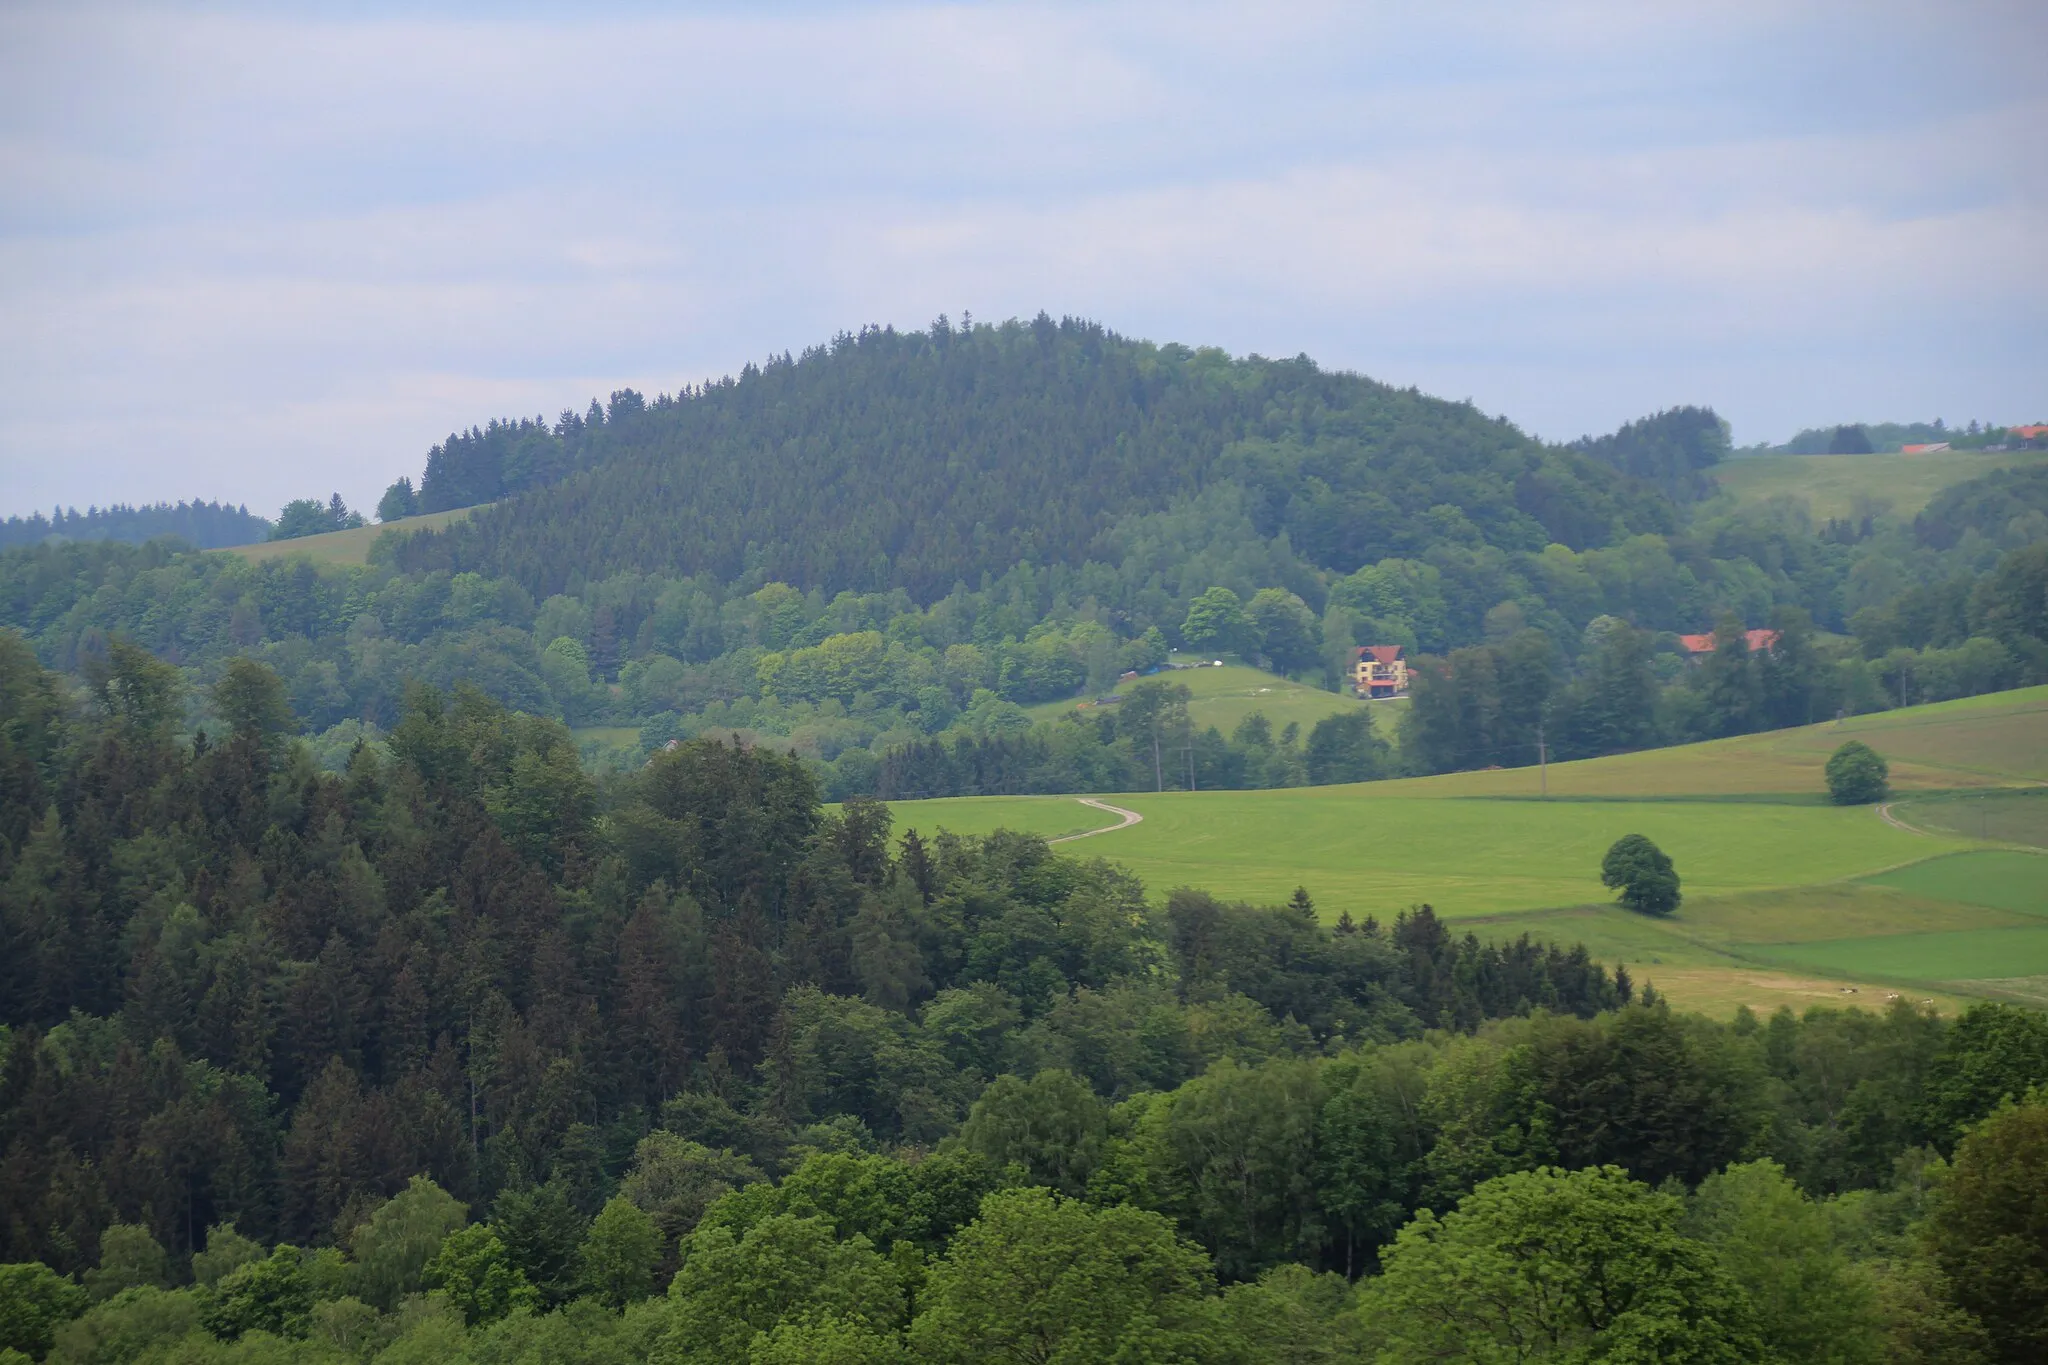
(1720, 991)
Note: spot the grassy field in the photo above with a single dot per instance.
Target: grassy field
(2001, 815)
(617, 736)
(2002, 880)
(1830, 484)
(345, 547)
(1359, 850)
(1224, 696)
(1788, 899)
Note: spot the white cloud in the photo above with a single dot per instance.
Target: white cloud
(258, 255)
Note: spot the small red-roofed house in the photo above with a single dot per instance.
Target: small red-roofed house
(1382, 671)
(1699, 646)
(1924, 448)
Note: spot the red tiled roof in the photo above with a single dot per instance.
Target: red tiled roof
(1704, 644)
(2027, 433)
(1381, 654)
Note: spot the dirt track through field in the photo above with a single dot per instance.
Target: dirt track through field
(1884, 813)
(1130, 817)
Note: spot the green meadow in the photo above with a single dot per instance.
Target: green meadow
(1358, 850)
(345, 547)
(1224, 696)
(1787, 899)
(1831, 485)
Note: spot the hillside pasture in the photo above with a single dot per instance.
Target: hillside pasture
(1788, 899)
(345, 547)
(2000, 879)
(1222, 697)
(1358, 849)
(1831, 485)
(2000, 815)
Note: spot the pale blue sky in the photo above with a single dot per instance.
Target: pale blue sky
(258, 252)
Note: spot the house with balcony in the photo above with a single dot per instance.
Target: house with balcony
(1382, 671)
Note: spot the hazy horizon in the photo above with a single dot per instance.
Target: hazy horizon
(254, 253)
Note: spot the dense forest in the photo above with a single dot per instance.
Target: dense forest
(207, 525)
(463, 1052)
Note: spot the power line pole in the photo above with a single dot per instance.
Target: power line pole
(1158, 774)
(1542, 761)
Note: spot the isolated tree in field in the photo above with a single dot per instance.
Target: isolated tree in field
(1642, 873)
(1857, 774)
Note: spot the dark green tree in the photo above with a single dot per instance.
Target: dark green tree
(1642, 873)
(1285, 630)
(1857, 774)
(541, 1230)
(398, 501)
(250, 699)
(1989, 1230)
(1991, 1054)
(1343, 748)
(312, 517)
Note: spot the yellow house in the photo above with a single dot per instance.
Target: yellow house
(1382, 671)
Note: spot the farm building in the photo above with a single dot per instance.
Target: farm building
(1700, 646)
(1382, 671)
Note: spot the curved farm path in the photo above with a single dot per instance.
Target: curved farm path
(1130, 817)
(1884, 813)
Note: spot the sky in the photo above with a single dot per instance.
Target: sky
(257, 252)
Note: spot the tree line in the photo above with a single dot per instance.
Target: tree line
(206, 524)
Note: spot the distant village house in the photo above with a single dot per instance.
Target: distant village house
(1382, 671)
(1697, 647)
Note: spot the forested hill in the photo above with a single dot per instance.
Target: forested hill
(919, 460)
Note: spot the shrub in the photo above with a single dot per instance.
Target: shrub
(1857, 774)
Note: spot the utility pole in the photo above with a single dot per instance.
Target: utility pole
(1542, 762)
(1158, 774)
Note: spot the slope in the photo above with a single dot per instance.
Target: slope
(922, 460)
(1836, 485)
(1221, 697)
(1780, 887)
(346, 547)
